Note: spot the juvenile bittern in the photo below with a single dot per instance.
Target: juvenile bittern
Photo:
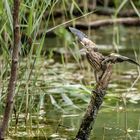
(95, 58)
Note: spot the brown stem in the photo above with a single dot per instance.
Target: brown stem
(94, 105)
(14, 68)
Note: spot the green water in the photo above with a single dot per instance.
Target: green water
(52, 103)
(61, 102)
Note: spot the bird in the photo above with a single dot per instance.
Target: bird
(96, 59)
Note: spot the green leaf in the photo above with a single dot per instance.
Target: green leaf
(9, 13)
(1, 7)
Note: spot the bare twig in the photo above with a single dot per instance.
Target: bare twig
(14, 68)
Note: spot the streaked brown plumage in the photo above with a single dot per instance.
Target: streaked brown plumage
(95, 58)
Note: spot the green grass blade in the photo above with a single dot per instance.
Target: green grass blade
(9, 13)
(120, 7)
(134, 7)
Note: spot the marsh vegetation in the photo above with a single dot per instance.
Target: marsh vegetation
(54, 78)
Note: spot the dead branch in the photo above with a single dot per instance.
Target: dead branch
(94, 105)
(96, 24)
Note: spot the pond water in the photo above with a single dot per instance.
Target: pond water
(51, 104)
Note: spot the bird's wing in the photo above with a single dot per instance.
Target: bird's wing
(83, 38)
(119, 58)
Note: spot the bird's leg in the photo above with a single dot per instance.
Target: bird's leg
(96, 76)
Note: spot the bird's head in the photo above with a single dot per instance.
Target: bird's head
(87, 43)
